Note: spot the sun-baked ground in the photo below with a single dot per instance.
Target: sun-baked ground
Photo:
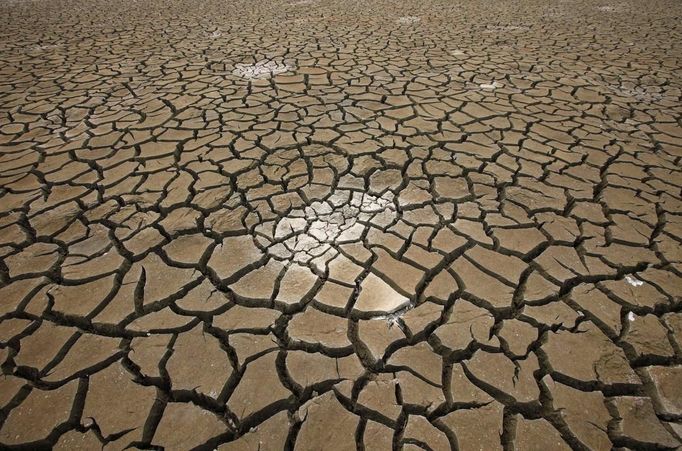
(329, 225)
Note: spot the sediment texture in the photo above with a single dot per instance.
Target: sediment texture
(317, 224)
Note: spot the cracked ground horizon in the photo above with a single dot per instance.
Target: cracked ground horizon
(339, 225)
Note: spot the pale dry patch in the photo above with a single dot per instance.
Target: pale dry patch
(261, 70)
(408, 20)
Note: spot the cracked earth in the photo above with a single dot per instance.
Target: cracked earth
(341, 225)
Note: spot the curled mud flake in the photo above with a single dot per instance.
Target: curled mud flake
(260, 70)
(633, 281)
(407, 20)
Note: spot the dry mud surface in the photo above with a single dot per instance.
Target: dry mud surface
(330, 225)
